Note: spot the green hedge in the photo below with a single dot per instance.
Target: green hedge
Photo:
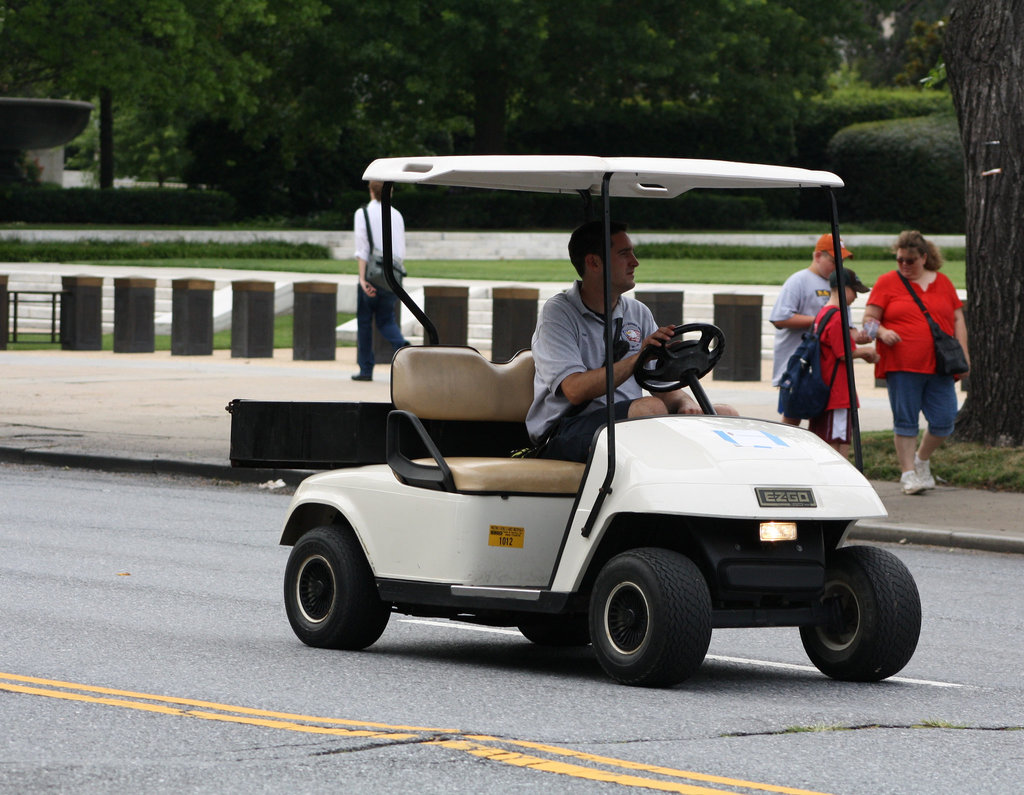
(824, 117)
(151, 206)
(908, 170)
(98, 250)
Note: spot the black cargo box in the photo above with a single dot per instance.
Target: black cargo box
(329, 435)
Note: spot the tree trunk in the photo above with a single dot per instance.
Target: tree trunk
(490, 113)
(984, 54)
(106, 138)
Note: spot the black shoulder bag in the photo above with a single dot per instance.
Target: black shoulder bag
(375, 262)
(949, 354)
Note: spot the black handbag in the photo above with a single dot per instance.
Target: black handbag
(949, 354)
(375, 263)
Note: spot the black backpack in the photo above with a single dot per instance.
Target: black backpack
(804, 393)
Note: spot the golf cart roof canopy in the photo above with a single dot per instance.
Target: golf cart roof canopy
(639, 177)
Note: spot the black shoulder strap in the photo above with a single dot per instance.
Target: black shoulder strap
(819, 329)
(825, 320)
(917, 300)
(369, 231)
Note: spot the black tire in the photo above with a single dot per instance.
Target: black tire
(562, 631)
(874, 632)
(650, 617)
(329, 592)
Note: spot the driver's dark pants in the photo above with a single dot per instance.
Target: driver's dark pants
(573, 438)
(379, 309)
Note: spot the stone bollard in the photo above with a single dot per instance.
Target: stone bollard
(4, 320)
(134, 315)
(81, 313)
(448, 307)
(314, 325)
(513, 319)
(739, 318)
(252, 319)
(191, 317)
(665, 305)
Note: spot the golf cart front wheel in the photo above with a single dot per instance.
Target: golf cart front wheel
(650, 617)
(875, 617)
(329, 592)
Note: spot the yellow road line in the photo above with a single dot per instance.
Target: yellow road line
(213, 705)
(481, 746)
(664, 771)
(576, 771)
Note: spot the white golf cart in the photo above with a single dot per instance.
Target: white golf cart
(675, 526)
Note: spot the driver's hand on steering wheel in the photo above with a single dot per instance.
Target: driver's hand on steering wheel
(659, 337)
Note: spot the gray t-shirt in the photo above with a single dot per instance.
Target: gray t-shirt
(803, 293)
(569, 338)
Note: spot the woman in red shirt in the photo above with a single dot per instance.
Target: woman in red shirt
(907, 353)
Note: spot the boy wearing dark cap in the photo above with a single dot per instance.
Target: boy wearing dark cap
(833, 425)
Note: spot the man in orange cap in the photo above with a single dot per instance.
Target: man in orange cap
(802, 295)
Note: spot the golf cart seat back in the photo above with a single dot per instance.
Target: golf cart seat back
(455, 383)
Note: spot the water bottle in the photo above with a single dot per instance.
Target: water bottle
(871, 327)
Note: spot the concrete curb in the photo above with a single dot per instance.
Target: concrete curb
(888, 532)
(151, 466)
(960, 538)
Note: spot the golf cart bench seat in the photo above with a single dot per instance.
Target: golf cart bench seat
(455, 383)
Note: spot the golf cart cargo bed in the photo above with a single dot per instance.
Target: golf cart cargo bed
(333, 435)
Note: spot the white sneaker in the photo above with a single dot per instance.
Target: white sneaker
(911, 483)
(923, 470)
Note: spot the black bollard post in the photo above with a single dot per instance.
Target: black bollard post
(134, 315)
(314, 325)
(192, 317)
(513, 319)
(81, 313)
(252, 319)
(739, 318)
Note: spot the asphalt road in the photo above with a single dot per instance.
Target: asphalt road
(145, 648)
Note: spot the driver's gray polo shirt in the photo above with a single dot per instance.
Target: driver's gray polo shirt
(569, 338)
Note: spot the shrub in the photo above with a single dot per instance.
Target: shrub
(151, 206)
(910, 170)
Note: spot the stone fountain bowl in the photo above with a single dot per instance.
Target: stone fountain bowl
(40, 123)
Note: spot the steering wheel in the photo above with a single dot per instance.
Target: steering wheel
(667, 367)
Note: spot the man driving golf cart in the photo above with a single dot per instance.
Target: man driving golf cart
(569, 353)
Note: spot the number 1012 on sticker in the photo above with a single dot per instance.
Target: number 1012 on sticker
(501, 536)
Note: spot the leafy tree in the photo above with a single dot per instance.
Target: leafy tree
(984, 53)
(163, 58)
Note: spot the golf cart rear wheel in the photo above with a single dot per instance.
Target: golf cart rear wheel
(875, 617)
(329, 592)
(557, 631)
(650, 617)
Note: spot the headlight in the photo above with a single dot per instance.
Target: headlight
(778, 531)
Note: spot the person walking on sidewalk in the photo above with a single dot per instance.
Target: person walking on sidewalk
(834, 424)
(374, 304)
(907, 353)
(802, 295)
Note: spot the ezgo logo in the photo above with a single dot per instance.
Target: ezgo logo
(785, 498)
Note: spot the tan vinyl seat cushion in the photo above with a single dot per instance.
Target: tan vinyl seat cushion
(514, 475)
(441, 383)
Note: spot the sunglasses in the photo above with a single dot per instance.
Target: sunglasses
(905, 261)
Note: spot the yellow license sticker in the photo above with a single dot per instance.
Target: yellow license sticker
(501, 536)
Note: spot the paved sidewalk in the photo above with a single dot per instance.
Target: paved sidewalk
(162, 413)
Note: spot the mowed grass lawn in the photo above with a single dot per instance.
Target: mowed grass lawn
(651, 270)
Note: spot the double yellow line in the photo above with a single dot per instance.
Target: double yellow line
(518, 753)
